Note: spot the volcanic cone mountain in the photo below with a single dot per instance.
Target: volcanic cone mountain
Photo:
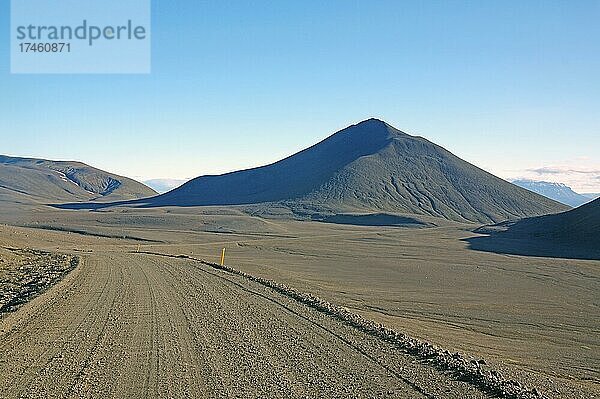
(370, 167)
(30, 180)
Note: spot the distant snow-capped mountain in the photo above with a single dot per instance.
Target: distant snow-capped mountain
(556, 191)
(163, 185)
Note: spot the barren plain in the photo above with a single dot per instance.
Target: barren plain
(129, 321)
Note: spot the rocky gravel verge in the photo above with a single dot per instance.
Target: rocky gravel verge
(26, 273)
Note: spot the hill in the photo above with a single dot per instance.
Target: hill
(580, 225)
(30, 180)
(571, 234)
(556, 191)
(370, 167)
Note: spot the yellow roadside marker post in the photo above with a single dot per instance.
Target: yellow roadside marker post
(223, 257)
(138, 249)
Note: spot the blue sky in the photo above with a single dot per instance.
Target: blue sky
(513, 87)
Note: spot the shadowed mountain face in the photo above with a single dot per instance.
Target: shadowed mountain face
(27, 180)
(370, 167)
(556, 191)
(572, 234)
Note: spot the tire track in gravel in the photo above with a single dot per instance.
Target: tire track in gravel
(78, 347)
(155, 360)
(79, 375)
(58, 343)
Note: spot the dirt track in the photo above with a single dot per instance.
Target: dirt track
(133, 325)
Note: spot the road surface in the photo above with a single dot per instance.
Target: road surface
(144, 326)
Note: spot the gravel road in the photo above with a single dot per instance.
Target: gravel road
(143, 326)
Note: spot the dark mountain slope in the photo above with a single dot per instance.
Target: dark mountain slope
(581, 225)
(37, 180)
(369, 167)
(572, 234)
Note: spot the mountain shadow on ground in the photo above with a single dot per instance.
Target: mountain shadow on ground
(374, 219)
